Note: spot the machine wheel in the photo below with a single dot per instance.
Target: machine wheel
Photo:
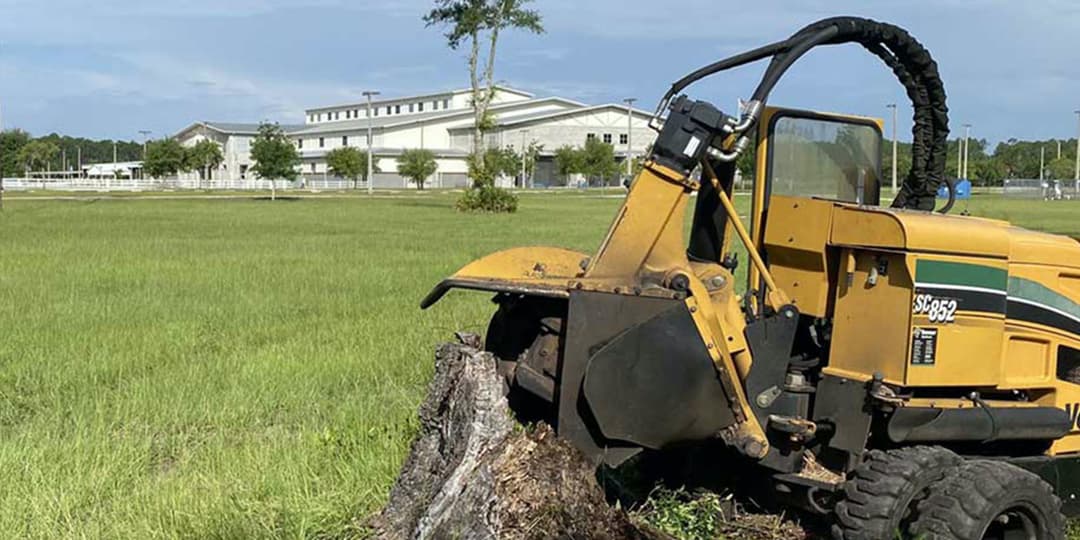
(990, 500)
(881, 494)
(525, 335)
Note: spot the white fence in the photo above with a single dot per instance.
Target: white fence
(1033, 188)
(167, 184)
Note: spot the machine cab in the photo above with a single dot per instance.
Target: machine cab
(805, 163)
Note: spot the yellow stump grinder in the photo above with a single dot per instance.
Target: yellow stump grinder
(928, 363)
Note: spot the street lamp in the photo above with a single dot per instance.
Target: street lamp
(524, 182)
(893, 107)
(967, 138)
(629, 137)
(145, 137)
(1076, 178)
(368, 94)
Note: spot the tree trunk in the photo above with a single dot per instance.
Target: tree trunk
(471, 474)
(273, 190)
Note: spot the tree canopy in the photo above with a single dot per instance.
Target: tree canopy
(596, 161)
(417, 165)
(165, 157)
(274, 154)
(350, 163)
(203, 157)
(37, 155)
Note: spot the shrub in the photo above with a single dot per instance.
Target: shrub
(487, 198)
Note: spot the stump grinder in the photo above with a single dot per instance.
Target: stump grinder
(925, 366)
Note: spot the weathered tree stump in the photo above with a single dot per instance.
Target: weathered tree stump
(473, 472)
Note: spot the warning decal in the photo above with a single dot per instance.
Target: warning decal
(924, 346)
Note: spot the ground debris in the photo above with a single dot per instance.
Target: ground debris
(473, 472)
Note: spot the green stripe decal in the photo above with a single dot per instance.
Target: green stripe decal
(963, 274)
(1025, 289)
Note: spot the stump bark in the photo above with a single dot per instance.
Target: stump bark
(473, 472)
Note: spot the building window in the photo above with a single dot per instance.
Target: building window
(624, 138)
(590, 136)
(420, 106)
(397, 109)
(345, 141)
(446, 103)
(388, 109)
(322, 142)
(607, 138)
(312, 168)
(356, 113)
(435, 105)
(410, 107)
(376, 111)
(300, 143)
(348, 115)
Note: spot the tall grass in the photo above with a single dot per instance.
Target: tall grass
(240, 368)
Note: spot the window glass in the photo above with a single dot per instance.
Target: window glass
(420, 106)
(624, 138)
(397, 109)
(345, 141)
(827, 158)
(590, 136)
(1068, 364)
(299, 143)
(322, 142)
(607, 138)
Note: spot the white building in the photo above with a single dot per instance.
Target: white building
(235, 141)
(442, 123)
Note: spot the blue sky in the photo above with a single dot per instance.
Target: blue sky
(109, 68)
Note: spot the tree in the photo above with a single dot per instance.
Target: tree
(598, 161)
(417, 165)
(350, 163)
(275, 156)
(530, 155)
(164, 158)
(1061, 168)
(568, 161)
(203, 157)
(471, 22)
(37, 154)
(11, 142)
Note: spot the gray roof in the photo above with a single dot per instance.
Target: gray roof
(380, 122)
(237, 128)
(383, 101)
(548, 115)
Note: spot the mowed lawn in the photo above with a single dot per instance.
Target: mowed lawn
(243, 368)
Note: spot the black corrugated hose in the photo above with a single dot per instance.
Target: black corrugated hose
(909, 61)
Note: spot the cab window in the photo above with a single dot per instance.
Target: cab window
(824, 157)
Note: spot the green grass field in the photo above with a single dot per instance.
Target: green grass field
(241, 368)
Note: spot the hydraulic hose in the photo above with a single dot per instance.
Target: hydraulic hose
(910, 62)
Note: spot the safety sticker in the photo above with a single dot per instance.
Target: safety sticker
(924, 346)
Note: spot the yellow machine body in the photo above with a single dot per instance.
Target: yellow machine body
(919, 302)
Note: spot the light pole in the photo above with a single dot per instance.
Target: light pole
(370, 179)
(959, 158)
(967, 144)
(524, 183)
(893, 107)
(1076, 178)
(145, 137)
(629, 137)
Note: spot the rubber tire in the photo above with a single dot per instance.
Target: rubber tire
(880, 495)
(964, 504)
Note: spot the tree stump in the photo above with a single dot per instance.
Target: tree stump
(473, 472)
